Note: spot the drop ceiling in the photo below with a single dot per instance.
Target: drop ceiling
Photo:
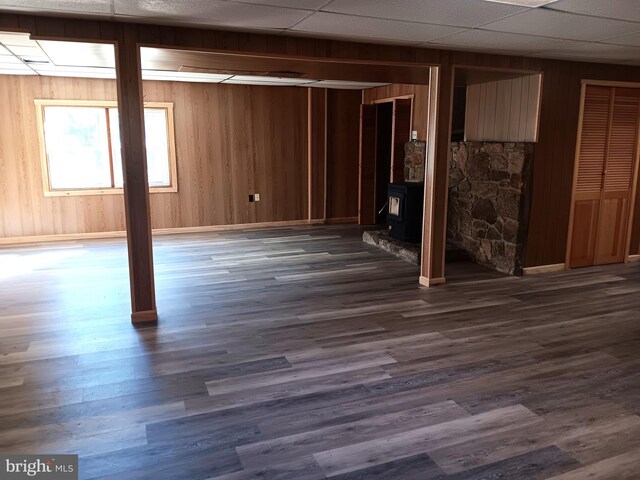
(20, 55)
(583, 30)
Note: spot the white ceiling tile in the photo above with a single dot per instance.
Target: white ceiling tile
(632, 40)
(183, 76)
(461, 13)
(10, 59)
(79, 53)
(373, 29)
(70, 6)
(254, 82)
(345, 85)
(213, 12)
(8, 71)
(21, 50)
(551, 23)
(592, 51)
(525, 3)
(620, 9)
(16, 39)
(257, 78)
(486, 40)
(15, 68)
(82, 72)
(303, 4)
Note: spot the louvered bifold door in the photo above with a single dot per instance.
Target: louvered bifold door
(619, 169)
(591, 163)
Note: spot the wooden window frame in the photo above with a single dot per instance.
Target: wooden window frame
(49, 192)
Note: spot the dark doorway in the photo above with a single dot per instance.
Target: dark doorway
(384, 129)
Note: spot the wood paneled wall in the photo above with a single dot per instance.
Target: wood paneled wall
(555, 149)
(231, 140)
(343, 123)
(503, 110)
(420, 102)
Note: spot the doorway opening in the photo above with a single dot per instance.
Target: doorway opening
(385, 128)
(384, 132)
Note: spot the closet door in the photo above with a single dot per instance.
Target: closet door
(619, 170)
(607, 164)
(591, 163)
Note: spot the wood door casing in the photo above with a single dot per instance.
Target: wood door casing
(401, 134)
(607, 158)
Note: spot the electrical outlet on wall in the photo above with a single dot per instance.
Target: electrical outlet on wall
(256, 197)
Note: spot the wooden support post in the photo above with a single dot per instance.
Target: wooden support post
(317, 144)
(436, 176)
(134, 168)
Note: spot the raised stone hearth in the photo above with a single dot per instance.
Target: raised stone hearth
(488, 202)
(410, 252)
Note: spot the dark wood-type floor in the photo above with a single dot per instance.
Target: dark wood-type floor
(303, 354)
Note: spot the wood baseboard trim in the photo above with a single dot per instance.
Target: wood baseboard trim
(556, 267)
(340, 220)
(237, 226)
(633, 258)
(146, 316)
(431, 282)
(60, 237)
(157, 231)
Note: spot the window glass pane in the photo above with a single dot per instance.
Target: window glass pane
(77, 147)
(155, 132)
(114, 128)
(157, 145)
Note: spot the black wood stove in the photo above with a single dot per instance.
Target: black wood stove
(405, 211)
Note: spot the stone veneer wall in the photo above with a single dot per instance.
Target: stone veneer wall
(414, 155)
(489, 189)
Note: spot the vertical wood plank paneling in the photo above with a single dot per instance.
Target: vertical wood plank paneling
(515, 113)
(420, 102)
(214, 140)
(490, 110)
(503, 110)
(317, 145)
(472, 110)
(343, 113)
(533, 108)
(401, 133)
(482, 102)
(367, 165)
(523, 135)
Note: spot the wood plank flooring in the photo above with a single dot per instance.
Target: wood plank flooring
(303, 354)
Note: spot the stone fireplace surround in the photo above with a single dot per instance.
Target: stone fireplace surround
(489, 193)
